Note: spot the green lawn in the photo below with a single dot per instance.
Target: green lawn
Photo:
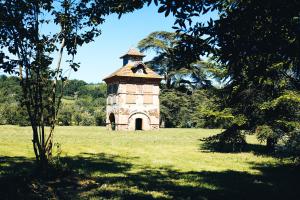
(165, 164)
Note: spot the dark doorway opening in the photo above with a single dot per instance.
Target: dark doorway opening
(138, 124)
(112, 121)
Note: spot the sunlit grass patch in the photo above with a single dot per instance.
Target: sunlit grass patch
(164, 164)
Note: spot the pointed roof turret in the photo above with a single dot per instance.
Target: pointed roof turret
(133, 67)
(133, 52)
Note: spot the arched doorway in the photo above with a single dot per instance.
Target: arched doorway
(112, 121)
(139, 121)
(138, 124)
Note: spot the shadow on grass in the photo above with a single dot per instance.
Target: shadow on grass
(102, 176)
(256, 149)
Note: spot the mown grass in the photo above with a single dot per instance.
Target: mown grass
(165, 164)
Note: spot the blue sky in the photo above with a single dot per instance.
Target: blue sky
(100, 58)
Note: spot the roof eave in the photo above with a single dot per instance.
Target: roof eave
(115, 76)
(131, 55)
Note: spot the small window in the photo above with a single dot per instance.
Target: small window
(140, 71)
(112, 89)
(115, 88)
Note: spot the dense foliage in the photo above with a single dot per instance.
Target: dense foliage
(196, 109)
(83, 104)
(11, 111)
(188, 98)
(257, 44)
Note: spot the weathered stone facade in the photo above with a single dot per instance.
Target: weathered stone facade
(133, 96)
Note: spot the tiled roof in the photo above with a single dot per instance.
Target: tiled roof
(133, 52)
(127, 71)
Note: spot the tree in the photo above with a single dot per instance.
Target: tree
(77, 118)
(28, 43)
(72, 86)
(87, 119)
(165, 64)
(264, 81)
(100, 116)
(172, 104)
(162, 43)
(256, 44)
(65, 115)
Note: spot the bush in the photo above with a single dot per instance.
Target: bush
(291, 144)
(265, 133)
(65, 117)
(77, 118)
(87, 119)
(230, 140)
(100, 116)
(13, 114)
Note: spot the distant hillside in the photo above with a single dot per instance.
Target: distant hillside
(83, 103)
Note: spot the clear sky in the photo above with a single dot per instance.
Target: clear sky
(100, 58)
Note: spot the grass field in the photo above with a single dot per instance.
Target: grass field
(165, 164)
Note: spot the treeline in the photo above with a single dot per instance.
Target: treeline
(82, 104)
(192, 109)
(11, 110)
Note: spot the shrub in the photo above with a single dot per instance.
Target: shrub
(65, 118)
(77, 118)
(265, 133)
(291, 144)
(100, 116)
(87, 119)
(230, 140)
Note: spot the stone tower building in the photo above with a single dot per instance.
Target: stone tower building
(133, 95)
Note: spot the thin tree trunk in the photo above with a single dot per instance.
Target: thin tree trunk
(49, 141)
